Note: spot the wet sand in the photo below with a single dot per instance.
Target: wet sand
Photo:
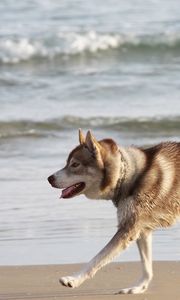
(41, 282)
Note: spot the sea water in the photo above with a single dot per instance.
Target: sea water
(110, 66)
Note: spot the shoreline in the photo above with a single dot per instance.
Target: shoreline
(42, 282)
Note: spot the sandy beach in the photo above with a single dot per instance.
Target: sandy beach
(41, 282)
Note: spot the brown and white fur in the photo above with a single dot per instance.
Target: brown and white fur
(144, 185)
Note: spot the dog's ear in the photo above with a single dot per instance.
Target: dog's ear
(81, 137)
(91, 142)
(93, 146)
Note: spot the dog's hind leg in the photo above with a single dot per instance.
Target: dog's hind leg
(144, 244)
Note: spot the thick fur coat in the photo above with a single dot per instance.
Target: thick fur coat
(143, 184)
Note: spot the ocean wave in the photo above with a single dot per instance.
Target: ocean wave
(25, 128)
(68, 44)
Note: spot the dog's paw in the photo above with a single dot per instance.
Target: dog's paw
(133, 290)
(70, 281)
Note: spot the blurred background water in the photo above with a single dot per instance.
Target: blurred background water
(112, 66)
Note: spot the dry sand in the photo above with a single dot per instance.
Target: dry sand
(41, 282)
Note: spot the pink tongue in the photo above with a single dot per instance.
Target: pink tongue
(67, 192)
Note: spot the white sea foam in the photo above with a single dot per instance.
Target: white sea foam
(14, 51)
(70, 43)
(93, 42)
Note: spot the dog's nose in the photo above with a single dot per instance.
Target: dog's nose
(51, 179)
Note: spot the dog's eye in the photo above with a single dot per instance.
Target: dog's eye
(75, 165)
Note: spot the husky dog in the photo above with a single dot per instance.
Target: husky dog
(144, 186)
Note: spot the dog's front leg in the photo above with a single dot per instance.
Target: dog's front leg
(119, 242)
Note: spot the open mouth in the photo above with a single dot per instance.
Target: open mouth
(73, 190)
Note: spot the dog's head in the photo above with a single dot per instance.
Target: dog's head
(92, 169)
